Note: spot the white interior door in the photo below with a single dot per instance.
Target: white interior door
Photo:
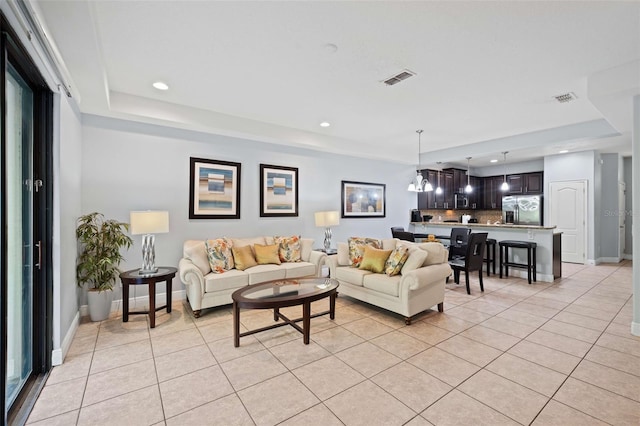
(622, 216)
(568, 212)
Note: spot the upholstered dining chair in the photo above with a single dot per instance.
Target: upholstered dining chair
(473, 259)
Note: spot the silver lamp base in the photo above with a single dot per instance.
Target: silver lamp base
(148, 255)
(327, 239)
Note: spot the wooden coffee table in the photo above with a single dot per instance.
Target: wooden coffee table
(281, 294)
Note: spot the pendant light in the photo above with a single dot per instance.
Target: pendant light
(438, 188)
(468, 189)
(420, 184)
(505, 185)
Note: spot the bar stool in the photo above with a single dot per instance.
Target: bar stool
(490, 255)
(530, 266)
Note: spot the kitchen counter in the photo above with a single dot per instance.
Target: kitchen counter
(546, 239)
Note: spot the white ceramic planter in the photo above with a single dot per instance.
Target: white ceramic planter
(99, 304)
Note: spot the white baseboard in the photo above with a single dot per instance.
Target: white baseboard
(635, 328)
(590, 262)
(161, 298)
(628, 256)
(57, 355)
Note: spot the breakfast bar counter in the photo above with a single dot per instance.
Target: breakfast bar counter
(548, 252)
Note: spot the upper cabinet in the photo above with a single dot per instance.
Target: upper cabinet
(486, 194)
(525, 183)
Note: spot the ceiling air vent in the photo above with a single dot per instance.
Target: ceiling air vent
(566, 97)
(403, 75)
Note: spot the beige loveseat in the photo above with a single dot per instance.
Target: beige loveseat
(409, 293)
(206, 289)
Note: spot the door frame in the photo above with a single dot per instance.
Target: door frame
(11, 50)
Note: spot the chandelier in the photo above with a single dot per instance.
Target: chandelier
(419, 184)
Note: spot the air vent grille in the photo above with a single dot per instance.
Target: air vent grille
(566, 97)
(403, 75)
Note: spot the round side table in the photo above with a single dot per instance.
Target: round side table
(133, 277)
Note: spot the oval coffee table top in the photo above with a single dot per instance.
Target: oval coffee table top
(284, 292)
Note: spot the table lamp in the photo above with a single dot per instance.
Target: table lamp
(148, 223)
(327, 220)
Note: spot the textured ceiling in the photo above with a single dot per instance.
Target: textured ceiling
(486, 72)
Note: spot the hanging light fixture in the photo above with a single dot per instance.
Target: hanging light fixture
(505, 185)
(468, 189)
(420, 184)
(438, 188)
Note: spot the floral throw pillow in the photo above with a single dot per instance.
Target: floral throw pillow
(289, 248)
(396, 260)
(356, 249)
(219, 255)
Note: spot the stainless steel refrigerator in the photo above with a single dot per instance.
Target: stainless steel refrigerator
(522, 209)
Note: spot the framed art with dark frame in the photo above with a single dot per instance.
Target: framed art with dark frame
(278, 191)
(362, 199)
(214, 189)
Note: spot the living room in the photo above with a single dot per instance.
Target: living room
(118, 152)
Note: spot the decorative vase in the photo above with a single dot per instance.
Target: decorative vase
(99, 304)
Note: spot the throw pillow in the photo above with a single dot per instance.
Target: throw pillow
(396, 260)
(266, 254)
(356, 248)
(243, 256)
(219, 255)
(374, 259)
(415, 260)
(289, 248)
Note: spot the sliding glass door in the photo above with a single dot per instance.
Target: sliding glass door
(26, 200)
(19, 231)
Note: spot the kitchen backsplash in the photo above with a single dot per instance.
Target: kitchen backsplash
(482, 215)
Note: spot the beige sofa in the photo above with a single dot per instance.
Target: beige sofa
(411, 292)
(206, 289)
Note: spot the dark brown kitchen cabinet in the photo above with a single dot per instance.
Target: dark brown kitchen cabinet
(448, 190)
(525, 183)
(492, 194)
(533, 183)
(427, 200)
(475, 197)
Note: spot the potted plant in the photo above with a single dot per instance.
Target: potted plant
(100, 242)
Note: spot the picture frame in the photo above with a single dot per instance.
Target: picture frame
(363, 199)
(278, 191)
(214, 189)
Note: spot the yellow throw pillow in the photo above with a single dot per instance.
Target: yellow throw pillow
(243, 257)
(396, 260)
(374, 259)
(266, 254)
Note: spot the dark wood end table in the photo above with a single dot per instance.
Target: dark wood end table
(281, 294)
(133, 277)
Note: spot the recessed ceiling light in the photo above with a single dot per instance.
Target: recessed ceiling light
(494, 161)
(325, 124)
(564, 151)
(160, 85)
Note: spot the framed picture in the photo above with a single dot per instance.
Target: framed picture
(214, 189)
(362, 199)
(278, 191)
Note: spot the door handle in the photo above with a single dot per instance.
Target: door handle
(39, 246)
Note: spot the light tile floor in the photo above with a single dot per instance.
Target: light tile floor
(541, 354)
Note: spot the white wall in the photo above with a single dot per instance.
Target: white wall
(68, 171)
(574, 166)
(607, 210)
(627, 173)
(132, 166)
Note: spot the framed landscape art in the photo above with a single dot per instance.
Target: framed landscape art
(278, 191)
(362, 199)
(214, 189)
